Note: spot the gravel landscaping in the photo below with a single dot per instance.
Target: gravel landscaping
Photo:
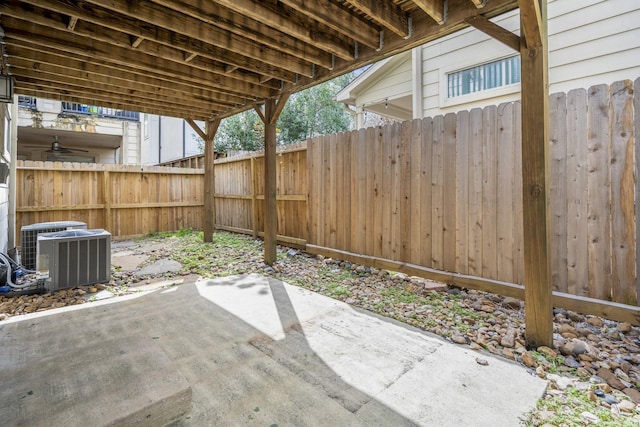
(593, 369)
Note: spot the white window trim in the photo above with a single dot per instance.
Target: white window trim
(476, 96)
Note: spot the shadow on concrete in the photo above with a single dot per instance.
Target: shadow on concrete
(237, 374)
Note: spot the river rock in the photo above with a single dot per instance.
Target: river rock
(511, 303)
(595, 321)
(626, 406)
(529, 359)
(611, 379)
(624, 327)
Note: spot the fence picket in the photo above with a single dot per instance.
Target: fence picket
(622, 193)
(577, 194)
(558, 189)
(598, 182)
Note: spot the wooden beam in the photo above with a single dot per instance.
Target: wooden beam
(535, 188)
(209, 180)
(531, 22)
(479, 3)
(434, 8)
(339, 19)
(496, 31)
(223, 14)
(130, 25)
(191, 27)
(196, 128)
(271, 14)
(386, 14)
(95, 97)
(104, 43)
(110, 89)
(30, 56)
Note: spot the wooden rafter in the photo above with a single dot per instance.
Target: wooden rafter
(129, 25)
(386, 14)
(496, 31)
(128, 57)
(434, 8)
(268, 13)
(56, 62)
(339, 19)
(226, 19)
(193, 28)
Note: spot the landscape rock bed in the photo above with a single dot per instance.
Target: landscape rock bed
(593, 361)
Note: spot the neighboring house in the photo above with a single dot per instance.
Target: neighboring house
(168, 138)
(590, 42)
(51, 130)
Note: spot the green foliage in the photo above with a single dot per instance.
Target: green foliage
(566, 410)
(308, 113)
(244, 131)
(314, 112)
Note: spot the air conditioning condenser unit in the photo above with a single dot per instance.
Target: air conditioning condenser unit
(29, 238)
(70, 258)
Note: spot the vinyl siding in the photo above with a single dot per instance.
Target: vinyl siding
(395, 84)
(590, 42)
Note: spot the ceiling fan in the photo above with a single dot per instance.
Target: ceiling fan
(57, 148)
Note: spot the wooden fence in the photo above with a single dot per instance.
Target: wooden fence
(441, 197)
(125, 200)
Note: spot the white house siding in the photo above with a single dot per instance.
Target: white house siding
(395, 84)
(167, 138)
(590, 42)
(130, 143)
(5, 131)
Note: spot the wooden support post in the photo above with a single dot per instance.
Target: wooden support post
(209, 219)
(535, 173)
(106, 189)
(272, 109)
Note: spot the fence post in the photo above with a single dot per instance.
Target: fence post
(209, 181)
(106, 185)
(254, 201)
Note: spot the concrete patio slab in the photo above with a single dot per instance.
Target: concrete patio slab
(256, 351)
(124, 381)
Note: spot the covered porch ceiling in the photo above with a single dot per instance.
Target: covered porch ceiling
(210, 59)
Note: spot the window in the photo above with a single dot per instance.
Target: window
(483, 77)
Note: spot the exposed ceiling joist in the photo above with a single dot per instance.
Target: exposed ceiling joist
(169, 19)
(386, 14)
(279, 16)
(339, 19)
(434, 8)
(211, 59)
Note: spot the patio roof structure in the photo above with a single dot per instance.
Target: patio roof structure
(206, 60)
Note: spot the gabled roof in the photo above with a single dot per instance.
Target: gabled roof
(206, 59)
(372, 74)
